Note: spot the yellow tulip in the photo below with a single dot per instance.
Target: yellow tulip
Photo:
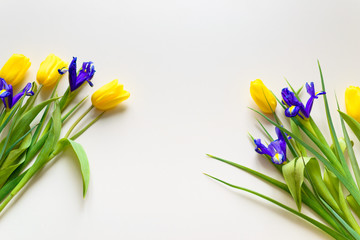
(13, 72)
(262, 96)
(48, 73)
(352, 102)
(109, 95)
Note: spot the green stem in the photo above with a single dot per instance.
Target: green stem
(78, 120)
(78, 134)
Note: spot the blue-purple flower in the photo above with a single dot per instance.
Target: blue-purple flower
(276, 149)
(6, 93)
(295, 107)
(86, 73)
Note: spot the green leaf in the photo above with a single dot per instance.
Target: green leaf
(313, 169)
(296, 131)
(9, 186)
(353, 233)
(264, 177)
(14, 154)
(14, 159)
(342, 144)
(9, 149)
(81, 157)
(8, 116)
(84, 163)
(307, 196)
(22, 126)
(332, 183)
(44, 155)
(318, 224)
(350, 150)
(338, 152)
(352, 123)
(347, 212)
(318, 133)
(354, 205)
(293, 173)
(299, 90)
(30, 154)
(6, 172)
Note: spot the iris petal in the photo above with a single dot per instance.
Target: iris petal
(85, 74)
(278, 159)
(261, 149)
(292, 111)
(295, 107)
(276, 149)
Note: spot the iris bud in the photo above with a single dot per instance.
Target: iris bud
(109, 95)
(262, 96)
(13, 72)
(352, 102)
(48, 73)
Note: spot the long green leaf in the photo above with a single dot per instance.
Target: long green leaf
(353, 233)
(332, 130)
(321, 226)
(308, 198)
(271, 180)
(355, 127)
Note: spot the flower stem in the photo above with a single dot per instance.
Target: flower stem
(78, 134)
(78, 120)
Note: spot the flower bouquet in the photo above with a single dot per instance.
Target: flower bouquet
(320, 173)
(31, 132)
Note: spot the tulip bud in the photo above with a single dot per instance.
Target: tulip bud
(262, 96)
(109, 95)
(13, 72)
(352, 102)
(48, 73)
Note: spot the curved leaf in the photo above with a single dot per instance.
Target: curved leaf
(84, 164)
(293, 173)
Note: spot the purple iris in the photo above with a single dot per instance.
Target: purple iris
(6, 93)
(295, 107)
(86, 73)
(276, 149)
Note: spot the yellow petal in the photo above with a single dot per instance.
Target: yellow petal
(262, 96)
(109, 96)
(352, 102)
(13, 72)
(48, 73)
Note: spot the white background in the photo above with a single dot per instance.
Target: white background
(188, 65)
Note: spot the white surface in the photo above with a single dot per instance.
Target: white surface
(188, 65)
